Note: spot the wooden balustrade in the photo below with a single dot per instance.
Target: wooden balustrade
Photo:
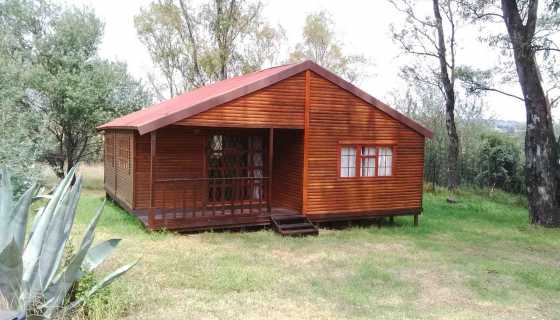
(183, 200)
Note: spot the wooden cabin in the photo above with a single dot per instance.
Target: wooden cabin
(289, 141)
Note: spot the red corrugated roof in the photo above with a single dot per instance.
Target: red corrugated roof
(204, 98)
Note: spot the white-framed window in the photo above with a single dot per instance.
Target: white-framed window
(348, 161)
(385, 161)
(365, 160)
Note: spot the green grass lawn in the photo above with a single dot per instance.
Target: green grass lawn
(476, 259)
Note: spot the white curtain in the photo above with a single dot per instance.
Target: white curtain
(347, 161)
(385, 161)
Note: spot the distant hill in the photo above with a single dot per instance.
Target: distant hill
(507, 126)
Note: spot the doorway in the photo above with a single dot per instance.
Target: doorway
(235, 168)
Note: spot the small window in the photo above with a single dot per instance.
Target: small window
(385, 161)
(370, 161)
(123, 155)
(348, 161)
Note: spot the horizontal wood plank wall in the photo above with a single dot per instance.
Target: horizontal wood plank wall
(277, 106)
(287, 169)
(179, 154)
(336, 115)
(142, 172)
(109, 161)
(124, 166)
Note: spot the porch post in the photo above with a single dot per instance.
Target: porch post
(151, 212)
(270, 157)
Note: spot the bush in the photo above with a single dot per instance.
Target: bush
(500, 165)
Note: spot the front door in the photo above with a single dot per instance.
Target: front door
(235, 169)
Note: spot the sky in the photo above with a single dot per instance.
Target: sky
(362, 26)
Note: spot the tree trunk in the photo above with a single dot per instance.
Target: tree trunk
(453, 143)
(449, 91)
(541, 148)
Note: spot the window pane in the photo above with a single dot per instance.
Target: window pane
(368, 167)
(385, 161)
(368, 151)
(347, 161)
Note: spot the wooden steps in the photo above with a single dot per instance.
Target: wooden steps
(293, 225)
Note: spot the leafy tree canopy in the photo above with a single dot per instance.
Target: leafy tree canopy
(196, 45)
(60, 82)
(321, 45)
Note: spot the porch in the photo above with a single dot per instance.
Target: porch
(184, 220)
(211, 178)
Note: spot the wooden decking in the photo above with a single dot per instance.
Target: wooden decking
(229, 218)
(283, 220)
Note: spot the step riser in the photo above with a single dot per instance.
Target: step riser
(294, 225)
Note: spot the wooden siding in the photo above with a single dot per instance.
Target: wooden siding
(125, 166)
(287, 169)
(119, 165)
(277, 106)
(179, 154)
(336, 115)
(109, 161)
(142, 172)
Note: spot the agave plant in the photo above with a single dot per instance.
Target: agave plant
(33, 277)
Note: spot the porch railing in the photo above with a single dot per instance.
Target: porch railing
(177, 200)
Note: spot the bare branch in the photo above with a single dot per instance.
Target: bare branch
(484, 88)
(553, 102)
(531, 18)
(409, 11)
(194, 46)
(547, 49)
(451, 19)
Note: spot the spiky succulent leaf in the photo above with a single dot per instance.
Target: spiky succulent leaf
(33, 274)
(90, 231)
(11, 268)
(18, 223)
(6, 201)
(35, 220)
(13, 217)
(99, 253)
(34, 246)
(56, 237)
(59, 287)
(103, 283)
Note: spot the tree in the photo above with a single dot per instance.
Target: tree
(434, 37)
(321, 45)
(194, 46)
(20, 137)
(424, 103)
(529, 33)
(541, 147)
(64, 87)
